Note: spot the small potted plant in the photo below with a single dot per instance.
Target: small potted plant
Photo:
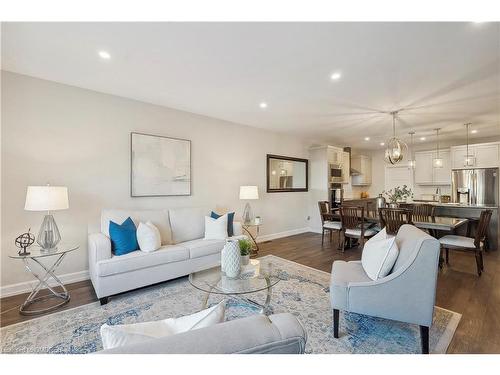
(398, 194)
(245, 249)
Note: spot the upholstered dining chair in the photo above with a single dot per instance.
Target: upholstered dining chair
(354, 225)
(407, 294)
(327, 222)
(475, 245)
(393, 218)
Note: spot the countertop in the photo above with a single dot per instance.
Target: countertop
(458, 205)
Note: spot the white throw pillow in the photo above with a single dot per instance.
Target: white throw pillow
(127, 334)
(379, 255)
(148, 237)
(216, 229)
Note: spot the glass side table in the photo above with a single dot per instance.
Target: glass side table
(247, 228)
(36, 253)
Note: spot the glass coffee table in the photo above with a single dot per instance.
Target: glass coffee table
(259, 275)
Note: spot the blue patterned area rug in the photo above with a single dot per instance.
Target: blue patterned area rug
(303, 291)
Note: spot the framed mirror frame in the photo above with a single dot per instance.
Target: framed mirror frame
(285, 158)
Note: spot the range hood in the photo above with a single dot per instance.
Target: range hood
(352, 172)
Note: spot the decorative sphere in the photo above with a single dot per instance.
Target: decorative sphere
(25, 240)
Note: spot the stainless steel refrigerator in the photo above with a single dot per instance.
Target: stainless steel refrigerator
(475, 186)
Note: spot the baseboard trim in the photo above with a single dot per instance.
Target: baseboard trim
(286, 233)
(27, 286)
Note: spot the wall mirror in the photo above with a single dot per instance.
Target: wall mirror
(286, 174)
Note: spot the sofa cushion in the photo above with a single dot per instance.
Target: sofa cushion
(123, 237)
(139, 260)
(379, 255)
(187, 223)
(158, 217)
(148, 237)
(201, 247)
(216, 229)
(230, 221)
(127, 334)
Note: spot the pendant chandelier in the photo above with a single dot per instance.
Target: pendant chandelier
(411, 158)
(437, 162)
(395, 147)
(469, 159)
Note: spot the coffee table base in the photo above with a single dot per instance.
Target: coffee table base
(263, 308)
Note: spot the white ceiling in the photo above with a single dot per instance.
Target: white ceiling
(445, 74)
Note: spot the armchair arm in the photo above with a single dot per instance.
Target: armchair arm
(99, 247)
(237, 228)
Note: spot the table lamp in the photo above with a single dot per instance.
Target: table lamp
(247, 193)
(47, 198)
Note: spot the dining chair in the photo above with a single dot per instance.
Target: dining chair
(393, 218)
(424, 212)
(354, 225)
(476, 244)
(327, 224)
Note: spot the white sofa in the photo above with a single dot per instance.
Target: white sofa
(184, 250)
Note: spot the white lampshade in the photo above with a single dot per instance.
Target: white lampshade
(46, 198)
(249, 192)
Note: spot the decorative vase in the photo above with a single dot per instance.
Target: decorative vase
(245, 259)
(393, 205)
(230, 258)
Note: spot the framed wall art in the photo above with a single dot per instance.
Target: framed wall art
(160, 166)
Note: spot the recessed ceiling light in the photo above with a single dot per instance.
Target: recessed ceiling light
(335, 76)
(367, 138)
(422, 138)
(104, 55)
(263, 105)
(474, 131)
(382, 143)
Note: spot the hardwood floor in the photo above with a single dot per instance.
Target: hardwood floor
(459, 289)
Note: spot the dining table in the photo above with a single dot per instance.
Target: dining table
(442, 223)
(431, 223)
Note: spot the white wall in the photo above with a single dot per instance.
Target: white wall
(80, 139)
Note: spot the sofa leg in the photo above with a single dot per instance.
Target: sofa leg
(336, 323)
(103, 300)
(424, 339)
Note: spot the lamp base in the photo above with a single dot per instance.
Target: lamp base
(48, 236)
(247, 214)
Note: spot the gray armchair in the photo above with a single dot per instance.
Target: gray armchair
(407, 294)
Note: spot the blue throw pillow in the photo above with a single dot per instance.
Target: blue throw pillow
(230, 219)
(123, 237)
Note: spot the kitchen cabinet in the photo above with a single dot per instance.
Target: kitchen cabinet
(335, 155)
(442, 176)
(363, 164)
(426, 174)
(423, 168)
(485, 155)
